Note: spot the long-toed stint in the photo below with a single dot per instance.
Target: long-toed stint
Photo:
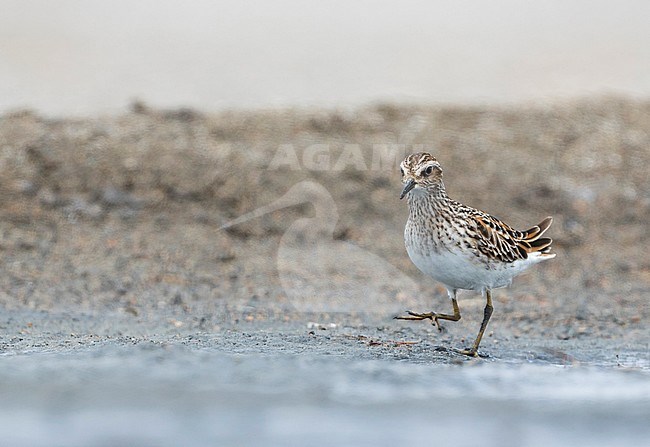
(462, 247)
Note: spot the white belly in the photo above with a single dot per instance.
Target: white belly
(464, 270)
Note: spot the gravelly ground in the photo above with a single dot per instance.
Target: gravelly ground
(129, 315)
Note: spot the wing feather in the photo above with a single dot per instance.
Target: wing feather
(500, 241)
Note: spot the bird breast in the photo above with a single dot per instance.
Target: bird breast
(443, 256)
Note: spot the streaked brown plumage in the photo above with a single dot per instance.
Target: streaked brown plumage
(460, 246)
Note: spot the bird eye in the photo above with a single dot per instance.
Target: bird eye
(428, 170)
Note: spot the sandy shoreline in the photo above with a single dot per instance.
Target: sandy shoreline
(112, 250)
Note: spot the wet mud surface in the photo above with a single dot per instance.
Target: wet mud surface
(294, 384)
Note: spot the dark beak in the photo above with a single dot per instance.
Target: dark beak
(410, 184)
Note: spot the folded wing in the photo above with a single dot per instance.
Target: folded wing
(499, 240)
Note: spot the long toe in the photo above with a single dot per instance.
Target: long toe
(468, 352)
(415, 316)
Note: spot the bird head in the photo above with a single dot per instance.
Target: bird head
(420, 171)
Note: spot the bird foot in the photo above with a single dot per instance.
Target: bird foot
(467, 352)
(470, 353)
(414, 316)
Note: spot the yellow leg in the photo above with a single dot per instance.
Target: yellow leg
(434, 316)
(487, 313)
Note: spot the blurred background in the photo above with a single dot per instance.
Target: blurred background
(130, 132)
(136, 114)
(79, 58)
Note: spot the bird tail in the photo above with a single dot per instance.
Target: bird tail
(532, 240)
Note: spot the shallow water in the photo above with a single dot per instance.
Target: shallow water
(171, 394)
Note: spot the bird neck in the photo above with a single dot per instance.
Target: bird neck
(432, 199)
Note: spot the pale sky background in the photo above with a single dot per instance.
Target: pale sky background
(94, 56)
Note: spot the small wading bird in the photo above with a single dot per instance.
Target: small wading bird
(462, 247)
